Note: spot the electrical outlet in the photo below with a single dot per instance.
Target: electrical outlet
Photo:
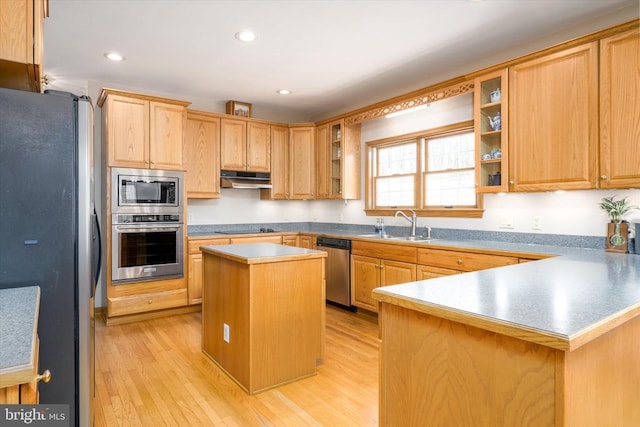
(506, 221)
(341, 216)
(190, 218)
(536, 224)
(226, 333)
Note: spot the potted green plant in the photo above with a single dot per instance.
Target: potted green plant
(617, 231)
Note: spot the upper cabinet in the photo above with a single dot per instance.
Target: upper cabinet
(553, 126)
(620, 110)
(491, 119)
(279, 165)
(338, 161)
(21, 43)
(302, 162)
(245, 145)
(142, 131)
(200, 155)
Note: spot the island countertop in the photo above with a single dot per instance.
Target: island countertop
(562, 302)
(19, 309)
(260, 253)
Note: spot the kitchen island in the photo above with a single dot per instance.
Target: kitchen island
(554, 342)
(263, 312)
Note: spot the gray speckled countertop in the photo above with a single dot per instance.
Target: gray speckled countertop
(259, 253)
(19, 309)
(562, 302)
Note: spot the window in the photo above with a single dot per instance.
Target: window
(432, 172)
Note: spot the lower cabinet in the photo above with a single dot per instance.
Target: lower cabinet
(194, 265)
(291, 240)
(425, 272)
(26, 393)
(378, 264)
(306, 241)
(446, 261)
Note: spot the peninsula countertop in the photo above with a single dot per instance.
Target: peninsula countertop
(19, 309)
(260, 253)
(562, 302)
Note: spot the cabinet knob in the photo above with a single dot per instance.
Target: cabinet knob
(45, 377)
(511, 182)
(459, 262)
(150, 301)
(604, 177)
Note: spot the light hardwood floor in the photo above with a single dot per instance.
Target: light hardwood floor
(153, 373)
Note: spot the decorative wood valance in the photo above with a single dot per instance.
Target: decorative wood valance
(414, 101)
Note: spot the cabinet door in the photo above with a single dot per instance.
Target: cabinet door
(257, 239)
(279, 165)
(323, 148)
(166, 129)
(394, 272)
(365, 277)
(306, 242)
(553, 121)
(425, 272)
(233, 144)
(200, 156)
(290, 240)
(302, 162)
(195, 279)
(258, 147)
(127, 127)
(620, 111)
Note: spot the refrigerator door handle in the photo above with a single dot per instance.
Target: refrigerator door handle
(99, 260)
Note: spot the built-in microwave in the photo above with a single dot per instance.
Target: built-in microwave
(145, 191)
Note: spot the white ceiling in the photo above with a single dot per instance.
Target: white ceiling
(334, 56)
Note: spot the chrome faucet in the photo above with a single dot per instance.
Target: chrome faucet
(412, 220)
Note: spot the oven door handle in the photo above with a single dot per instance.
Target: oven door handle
(148, 228)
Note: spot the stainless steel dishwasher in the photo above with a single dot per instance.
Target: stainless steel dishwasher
(338, 270)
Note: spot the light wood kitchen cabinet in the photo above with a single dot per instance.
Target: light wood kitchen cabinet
(21, 43)
(26, 393)
(491, 121)
(338, 161)
(307, 241)
(377, 264)
(302, 162)
(553, 130)
(200, 155)
(245, 145)
(425, 272)
(279, 165)
(142, 131)
(620, 110)
(462, 261)
(257, 239)
(195, 267)
(290, 240)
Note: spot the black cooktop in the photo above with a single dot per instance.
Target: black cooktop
(245, 231)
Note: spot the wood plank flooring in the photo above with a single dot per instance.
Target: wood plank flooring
(153, 373)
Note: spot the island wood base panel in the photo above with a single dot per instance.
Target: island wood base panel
(275, 315)
(439, 372)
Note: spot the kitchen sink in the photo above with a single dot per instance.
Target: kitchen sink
(420, 239)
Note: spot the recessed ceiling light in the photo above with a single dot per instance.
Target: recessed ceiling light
(245, 36)
(114, 56)
(284, 92)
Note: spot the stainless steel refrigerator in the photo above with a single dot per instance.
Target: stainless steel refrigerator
(49, 233)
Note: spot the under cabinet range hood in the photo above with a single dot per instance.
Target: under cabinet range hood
(245, 180)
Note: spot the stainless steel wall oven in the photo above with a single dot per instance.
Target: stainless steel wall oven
(147, 227)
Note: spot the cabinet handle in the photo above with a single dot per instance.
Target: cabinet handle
(459, 262)
(45, 377)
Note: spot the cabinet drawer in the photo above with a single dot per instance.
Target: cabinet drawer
(147, 302)
(383, 250)
(194, 245)
(270, 239)
(464, 261)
